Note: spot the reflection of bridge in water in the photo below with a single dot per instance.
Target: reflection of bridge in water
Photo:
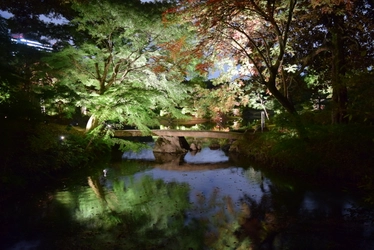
(181, 133)
(185, 167)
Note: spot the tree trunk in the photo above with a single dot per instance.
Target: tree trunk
(283, 100)
(290, 108)
(339, 93)
(92, 123)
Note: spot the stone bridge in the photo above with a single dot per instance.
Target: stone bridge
(181, 133)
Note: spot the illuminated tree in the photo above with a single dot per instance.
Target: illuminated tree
(272, 45)
(254, 34)
(114, 70)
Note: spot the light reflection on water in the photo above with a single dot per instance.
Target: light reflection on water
(205, 156)
(144, 154)
(217, 201)
(218, 183)
(231, 181)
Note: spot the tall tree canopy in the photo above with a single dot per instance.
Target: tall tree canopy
(253, 33)
(335, 39)
(111, 70)
(276, 43)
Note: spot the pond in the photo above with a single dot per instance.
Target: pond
(206, 200)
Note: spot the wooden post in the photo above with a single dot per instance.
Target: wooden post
(262, 121)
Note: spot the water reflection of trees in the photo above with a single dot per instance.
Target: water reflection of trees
(145, 213)
(141, 214)
(138, 212)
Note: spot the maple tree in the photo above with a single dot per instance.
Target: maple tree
(254, 34)
(273, 45)
(113, 72)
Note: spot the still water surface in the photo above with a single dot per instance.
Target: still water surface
(206, 201)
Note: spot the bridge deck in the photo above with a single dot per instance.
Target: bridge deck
(185, 133)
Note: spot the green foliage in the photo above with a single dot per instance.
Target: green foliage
(287, 123)
(243, 43)
(111, 72)
(5, 92)
(225, 97)
(143, 213)
(317, 87)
